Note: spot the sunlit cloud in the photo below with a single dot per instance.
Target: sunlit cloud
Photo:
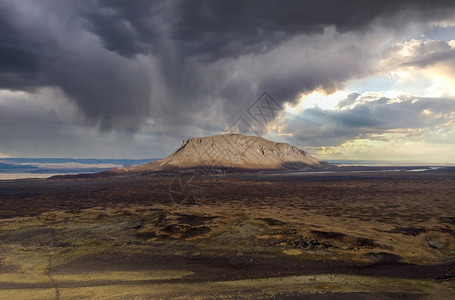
(373, 126)
(316, 99)
(426, 66)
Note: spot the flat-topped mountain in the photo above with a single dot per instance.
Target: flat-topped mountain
(231, 152)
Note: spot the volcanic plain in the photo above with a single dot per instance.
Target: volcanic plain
(321, 235)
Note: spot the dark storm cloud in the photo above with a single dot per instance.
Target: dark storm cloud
(47, 47)
(176, 62)
(126, 27)
(229, 28)
(350, 99)
(19, 59)
(317, 127)
(212, 29)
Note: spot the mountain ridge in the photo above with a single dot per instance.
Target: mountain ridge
(230, 152)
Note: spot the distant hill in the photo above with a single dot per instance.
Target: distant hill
(230, 152)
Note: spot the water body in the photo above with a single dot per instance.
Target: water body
(20, 168)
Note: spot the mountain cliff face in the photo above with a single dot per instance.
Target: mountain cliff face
(232, 152)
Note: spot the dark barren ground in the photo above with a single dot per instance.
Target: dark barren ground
(383, 235)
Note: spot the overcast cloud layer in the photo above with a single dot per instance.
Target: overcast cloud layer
(131, 78)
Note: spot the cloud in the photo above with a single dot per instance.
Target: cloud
(418, 53)
(56, 52)
(124, 63)
(350, 99)
(420, 66)
(371, 120)
(95, 73)
(45, 124)
(375, 127)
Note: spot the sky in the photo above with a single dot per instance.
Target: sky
(344, 80)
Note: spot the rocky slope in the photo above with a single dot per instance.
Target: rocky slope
(231, 152)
